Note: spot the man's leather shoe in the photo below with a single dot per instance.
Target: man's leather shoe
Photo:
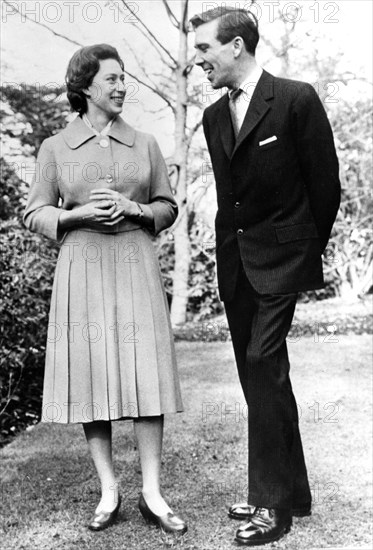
(241, 511)
(244, 511)
(266, 525)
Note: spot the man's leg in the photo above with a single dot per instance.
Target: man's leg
(301, 498)
(259, 326)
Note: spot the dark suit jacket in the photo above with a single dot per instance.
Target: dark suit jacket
(276, 202)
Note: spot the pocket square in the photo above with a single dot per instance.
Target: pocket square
(268, 140)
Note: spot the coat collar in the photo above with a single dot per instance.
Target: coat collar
(77, 132)
(257, 109)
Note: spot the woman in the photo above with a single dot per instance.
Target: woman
(100, 188)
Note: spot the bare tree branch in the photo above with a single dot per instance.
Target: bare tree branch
(171, 15)
(142, 68)
(154, 90)
(192, 132)
(150, 41)
(354, 199)
(363, 220)
(151, 86)
(157, 111)
(45, 26)
(151, 34)
(184, 19)
(135, 56)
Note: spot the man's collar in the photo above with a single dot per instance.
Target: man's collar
(250, 82)
(77, 132)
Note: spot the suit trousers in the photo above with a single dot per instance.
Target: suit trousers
(259, 325)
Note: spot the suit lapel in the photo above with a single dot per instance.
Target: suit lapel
(225, 125)
(257, 109)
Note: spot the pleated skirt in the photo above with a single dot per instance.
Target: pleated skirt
(110, 352)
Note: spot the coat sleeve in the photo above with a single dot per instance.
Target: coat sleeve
(205, 126)
(206, 132)
(42, 211)
(318, 159)
(161, 199)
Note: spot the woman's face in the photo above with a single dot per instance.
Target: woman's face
(107, 91)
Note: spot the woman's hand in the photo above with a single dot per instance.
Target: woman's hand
(101, 211)
(124, 206)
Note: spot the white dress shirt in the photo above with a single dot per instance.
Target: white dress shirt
(248, 87)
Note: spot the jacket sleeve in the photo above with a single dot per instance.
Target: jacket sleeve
(161, 199)
(318, 159)
(42, 211)
(205, 126)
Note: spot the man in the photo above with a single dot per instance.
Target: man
(278, 192)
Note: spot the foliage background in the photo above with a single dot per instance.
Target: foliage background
(27, 263)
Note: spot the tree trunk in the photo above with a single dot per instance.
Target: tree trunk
(181, 236)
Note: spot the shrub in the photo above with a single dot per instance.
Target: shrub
(27, 264)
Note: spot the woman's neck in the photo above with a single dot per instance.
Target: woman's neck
(99, 120)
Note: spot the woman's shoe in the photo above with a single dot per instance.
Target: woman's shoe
(169, 522)
(102, 520)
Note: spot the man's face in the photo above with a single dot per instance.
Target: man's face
(215, 58)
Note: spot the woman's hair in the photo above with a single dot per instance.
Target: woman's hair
(83, 66)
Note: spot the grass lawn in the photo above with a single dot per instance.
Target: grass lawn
(49, 488)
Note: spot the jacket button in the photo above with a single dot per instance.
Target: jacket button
(109, 178)
(237, 204)
(239, 231)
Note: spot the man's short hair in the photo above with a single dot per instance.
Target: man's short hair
(232, 22)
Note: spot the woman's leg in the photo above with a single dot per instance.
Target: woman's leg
(149, 435)
(98, 436)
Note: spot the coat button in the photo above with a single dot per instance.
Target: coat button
(239, 231)
(109, 178)
(237, 204)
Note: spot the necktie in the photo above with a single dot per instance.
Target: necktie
(233, 109)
